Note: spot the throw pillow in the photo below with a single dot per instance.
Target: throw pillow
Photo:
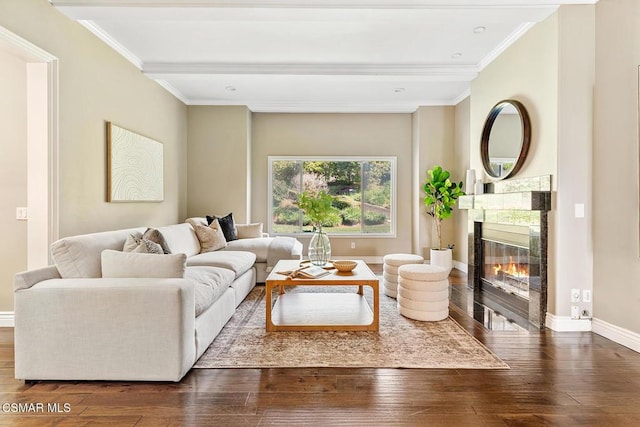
(132, 242)
(136, 265)
(227, 224)
(248, 231)
(156, 236)
(211, 238)
(136, 243)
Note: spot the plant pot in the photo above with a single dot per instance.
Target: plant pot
(319, 249)
(443, 258)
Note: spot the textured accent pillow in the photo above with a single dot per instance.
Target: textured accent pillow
(211, 237)
(157, 237)
(132, 242)
(136, 243)
(137, 265)
(248, 231)
(227, 224)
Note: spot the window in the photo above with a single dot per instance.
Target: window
(363, 190)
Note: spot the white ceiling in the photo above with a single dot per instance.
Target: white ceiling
(312, 55)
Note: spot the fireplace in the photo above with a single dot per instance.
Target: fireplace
(508, 246)
(506, 259)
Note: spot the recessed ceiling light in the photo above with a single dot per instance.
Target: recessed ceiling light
(456, 55)
(230, 88)
(479, 29)
(399, 90)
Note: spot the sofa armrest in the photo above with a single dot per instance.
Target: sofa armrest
(105, 329)
(27, 279)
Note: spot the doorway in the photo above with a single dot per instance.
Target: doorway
(30, 206)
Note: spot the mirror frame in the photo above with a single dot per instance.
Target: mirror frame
(486, 132)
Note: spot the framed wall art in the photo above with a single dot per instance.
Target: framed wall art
(135, 167)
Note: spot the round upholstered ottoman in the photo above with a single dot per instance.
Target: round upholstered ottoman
(390, 270)
(423, 292)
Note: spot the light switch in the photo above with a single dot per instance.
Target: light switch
(22, 213)
(579, 210)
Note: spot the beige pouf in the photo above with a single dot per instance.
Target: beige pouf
(423, 292)
(390, 270)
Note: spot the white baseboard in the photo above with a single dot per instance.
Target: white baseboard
(567, 324)
(460, 266)
(617, 334)
(6, 319)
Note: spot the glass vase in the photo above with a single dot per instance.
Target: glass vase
(319, 248)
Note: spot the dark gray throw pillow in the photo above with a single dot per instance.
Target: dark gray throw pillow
(227, 224)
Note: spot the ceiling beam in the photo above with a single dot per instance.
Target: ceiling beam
(320, 4)
(164, 71)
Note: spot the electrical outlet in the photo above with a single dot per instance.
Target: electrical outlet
(586, 295)
(575, 295)
(575, 312)
(353, 245)
(584, 314)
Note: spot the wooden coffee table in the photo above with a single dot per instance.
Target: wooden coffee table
(322, 311)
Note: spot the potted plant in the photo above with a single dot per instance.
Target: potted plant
(441, 196)
(318, 207)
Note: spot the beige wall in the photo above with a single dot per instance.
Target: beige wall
(528, 72)
(615, 171)
(435, 133)
(97, 84)
(218, 158)
(13, 173)
(461, 164)
(573, 236)
(337, 135)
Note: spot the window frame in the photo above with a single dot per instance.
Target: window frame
(394, 187)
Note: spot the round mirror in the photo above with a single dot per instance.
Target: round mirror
(505, 139)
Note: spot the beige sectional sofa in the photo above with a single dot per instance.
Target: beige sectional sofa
(103, 314)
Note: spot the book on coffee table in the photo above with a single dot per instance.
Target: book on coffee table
(312, 272)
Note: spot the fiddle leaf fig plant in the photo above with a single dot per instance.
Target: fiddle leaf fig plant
(317, 206)
(441, 196)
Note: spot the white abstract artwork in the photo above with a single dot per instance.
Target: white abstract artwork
(135, 165)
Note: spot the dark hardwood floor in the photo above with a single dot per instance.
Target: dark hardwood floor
(556, 378)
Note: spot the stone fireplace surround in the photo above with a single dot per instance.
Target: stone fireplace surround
(522, 202)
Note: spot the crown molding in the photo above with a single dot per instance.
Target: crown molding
(173, 91)
(323, 107)
(112, 43)
(519, 32)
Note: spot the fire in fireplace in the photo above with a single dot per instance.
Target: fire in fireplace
(506, 267)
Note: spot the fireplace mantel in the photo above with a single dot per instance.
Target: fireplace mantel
(523, 202)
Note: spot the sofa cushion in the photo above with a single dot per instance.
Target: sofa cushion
(181, 239)
(248, 231)
(211, 237)
(237, 261)
(141, 265)
(80, 256)
(258, 246)
(209, 284)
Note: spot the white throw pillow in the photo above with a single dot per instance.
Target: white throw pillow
(211, 237)
(140, 265)
(249, 231)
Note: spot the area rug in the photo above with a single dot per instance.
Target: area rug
(400, 343)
